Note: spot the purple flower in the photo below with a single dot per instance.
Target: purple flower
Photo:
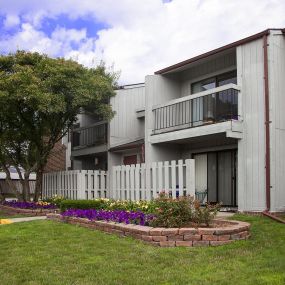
(119, 216)
(29, 205)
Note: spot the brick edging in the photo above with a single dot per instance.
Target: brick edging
(167, 237)
(32, 212)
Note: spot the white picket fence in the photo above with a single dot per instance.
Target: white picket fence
(76, 184)
(145, 182)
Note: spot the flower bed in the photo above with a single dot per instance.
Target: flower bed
(29, 205)
(221, 231)
(30, 208)
(119, 216)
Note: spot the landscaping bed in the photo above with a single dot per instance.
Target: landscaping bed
(221, 232)
(28, 208)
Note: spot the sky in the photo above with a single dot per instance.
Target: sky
(134, 37)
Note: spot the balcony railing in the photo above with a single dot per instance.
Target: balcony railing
(208, 107)
(89, 136)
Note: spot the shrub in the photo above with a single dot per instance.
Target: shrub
(56, 200)
(172, 212)
(108, 204)
(183, 211)
(204, 214)
(97, 204)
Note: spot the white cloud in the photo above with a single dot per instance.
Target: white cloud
(143, 35)
(11, 21)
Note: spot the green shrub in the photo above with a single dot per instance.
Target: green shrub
(204, 214)
(83, 204)
(108, 204)
(181, 212)
(172, 212)
(56, 200)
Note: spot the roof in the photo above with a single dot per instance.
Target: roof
(215, 51)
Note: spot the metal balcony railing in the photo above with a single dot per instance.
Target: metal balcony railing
(89, 136)
(204, 108)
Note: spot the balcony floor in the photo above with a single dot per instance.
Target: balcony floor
(232, 129)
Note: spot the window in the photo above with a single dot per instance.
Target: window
(217, 106)
(213, 82)
(131, 159)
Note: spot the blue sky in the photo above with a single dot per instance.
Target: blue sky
(136, 37)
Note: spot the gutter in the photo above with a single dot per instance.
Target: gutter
(265, 213)
(267, 122)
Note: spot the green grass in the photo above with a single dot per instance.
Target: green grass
(46, 252)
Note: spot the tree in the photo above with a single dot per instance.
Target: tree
(40, 98)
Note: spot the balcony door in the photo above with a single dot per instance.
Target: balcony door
(215, 106)
(215, 173)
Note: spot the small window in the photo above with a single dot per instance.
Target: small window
(131, 159)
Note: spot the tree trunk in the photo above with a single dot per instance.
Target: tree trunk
(11, 183)
(26, 189)
(39, 183)
(2, 198)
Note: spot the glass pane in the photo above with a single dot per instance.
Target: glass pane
(203, 85)
(225, 178)
(227, 78)
(212, 177)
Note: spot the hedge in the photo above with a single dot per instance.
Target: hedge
(82, 204)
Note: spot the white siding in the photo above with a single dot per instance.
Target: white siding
(159, 89)
(277, 116)
(251, 149)
(125, 126)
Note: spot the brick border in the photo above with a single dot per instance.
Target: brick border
(167, 237)
(32, 212)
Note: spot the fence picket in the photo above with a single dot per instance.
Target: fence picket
(180, 177)
(173, 178)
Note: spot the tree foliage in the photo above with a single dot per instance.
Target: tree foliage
(40, 98)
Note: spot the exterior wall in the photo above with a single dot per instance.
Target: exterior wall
(251, 149)
(56, 160)
(125, 126)
(276, 64)
(159, 89)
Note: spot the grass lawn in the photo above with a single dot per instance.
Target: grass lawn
(46, 252)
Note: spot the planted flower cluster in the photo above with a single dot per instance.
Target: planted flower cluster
(30, 205)
(119, 216)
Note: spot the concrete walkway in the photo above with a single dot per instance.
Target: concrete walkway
(19, 220)
(28, 219)
(224, 215)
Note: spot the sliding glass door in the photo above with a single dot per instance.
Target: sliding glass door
(216, 174)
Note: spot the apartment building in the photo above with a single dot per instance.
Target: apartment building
(223, 108)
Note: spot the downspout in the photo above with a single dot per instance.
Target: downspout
(267, 122)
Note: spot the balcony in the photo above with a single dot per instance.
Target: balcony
(91, 136)
(216, 110)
